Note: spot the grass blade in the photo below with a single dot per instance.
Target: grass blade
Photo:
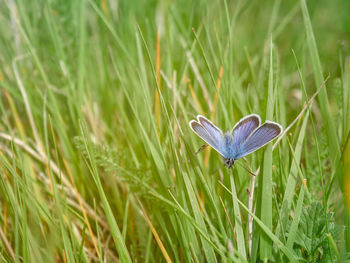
(238, 220)
(266, 175)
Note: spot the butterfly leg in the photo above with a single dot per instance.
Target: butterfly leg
(217, 169)
(201, 149)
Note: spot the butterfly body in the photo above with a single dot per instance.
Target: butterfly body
(229, 149)
(246, 136)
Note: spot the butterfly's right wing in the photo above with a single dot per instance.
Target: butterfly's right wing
(209, 133)
(260, 137)
(243, 129)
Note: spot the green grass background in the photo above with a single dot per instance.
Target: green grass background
(97, 159)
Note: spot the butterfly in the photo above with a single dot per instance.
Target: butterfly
(247, 136)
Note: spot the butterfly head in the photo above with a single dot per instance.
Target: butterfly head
(229, 162)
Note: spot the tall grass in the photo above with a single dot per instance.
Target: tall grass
(97, 159)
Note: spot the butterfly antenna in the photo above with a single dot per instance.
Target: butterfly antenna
(201, 149)
(217, 169)
(247, 169)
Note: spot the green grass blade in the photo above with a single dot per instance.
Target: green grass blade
(292, 179)
(333, 142)
(238, 220)
(289, 253)
(117, 236)
(296, 219)
(208, 250)
(266, 176)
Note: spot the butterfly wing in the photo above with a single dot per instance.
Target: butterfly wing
(243, 129)
(260, 137)
(209, 133)
(241, 132)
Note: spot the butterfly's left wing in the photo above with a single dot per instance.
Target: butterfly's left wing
(260, 137)
(209, 133)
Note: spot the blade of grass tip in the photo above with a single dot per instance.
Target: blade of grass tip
(288, 252)
(116, 234)
(155, 234)
(266, 176)
(333, 143)
(294, 227)
(238, 220)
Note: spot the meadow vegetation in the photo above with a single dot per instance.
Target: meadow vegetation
(97, 160)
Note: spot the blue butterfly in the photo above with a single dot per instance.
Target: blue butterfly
(246, 136)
